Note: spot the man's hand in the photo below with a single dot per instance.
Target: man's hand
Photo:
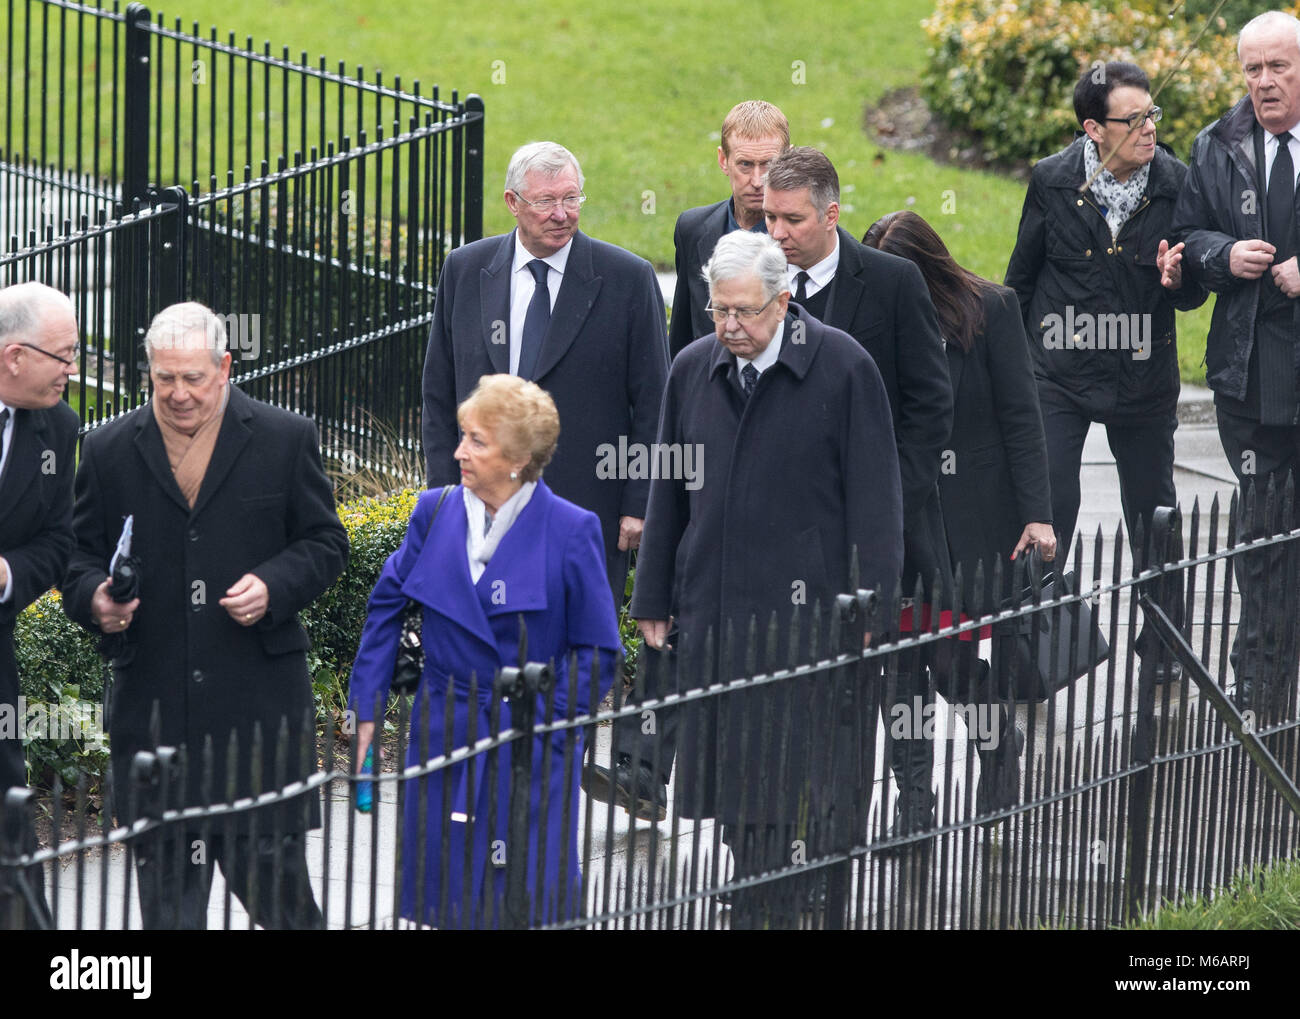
(866, 641)
(111, 616)
(247, 600)
(629, 532)
(4, 573)
(1042, 535)
(1248, 259)
(1287, 277)
(655, 631)
(1168, 261)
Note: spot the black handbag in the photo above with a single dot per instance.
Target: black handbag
(1036, 648)
(409, 665)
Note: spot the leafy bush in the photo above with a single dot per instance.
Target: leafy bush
(59, 670)
(1006, 71)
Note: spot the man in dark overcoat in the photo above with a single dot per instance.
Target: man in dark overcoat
(1236, 212)
(800, 472)
(753, 134)
(38, 436)
(583, 319)
(882, 302)
(235, 532)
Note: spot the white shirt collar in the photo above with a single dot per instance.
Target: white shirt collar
(768, 357)
(556, 261)
(823, 272)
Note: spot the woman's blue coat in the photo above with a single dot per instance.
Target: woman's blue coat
(549, 571)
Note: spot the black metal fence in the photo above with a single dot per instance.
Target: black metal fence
(313, 209)
(1147, 779)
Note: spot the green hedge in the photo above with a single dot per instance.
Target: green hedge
(1006, 71)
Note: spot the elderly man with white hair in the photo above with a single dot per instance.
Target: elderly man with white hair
(1237, 214)
(235, 532)
(791, 424)
(38, 436)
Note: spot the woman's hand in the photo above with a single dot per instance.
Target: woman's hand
(365, 736)
(1042, 535)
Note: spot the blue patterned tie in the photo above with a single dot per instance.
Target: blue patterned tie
(535, 321)
(748, 379)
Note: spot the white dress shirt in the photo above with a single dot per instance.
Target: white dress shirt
(819, 275)
(522, 286)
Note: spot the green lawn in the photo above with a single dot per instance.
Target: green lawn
(638, 92)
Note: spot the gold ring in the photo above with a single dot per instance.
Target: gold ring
(248, 615)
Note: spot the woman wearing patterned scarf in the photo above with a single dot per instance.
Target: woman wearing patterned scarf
(1098, 284)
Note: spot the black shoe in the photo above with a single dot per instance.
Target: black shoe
(625, 785)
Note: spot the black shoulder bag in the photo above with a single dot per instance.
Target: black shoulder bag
(409, 665)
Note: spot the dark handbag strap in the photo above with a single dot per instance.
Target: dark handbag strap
(437, 506)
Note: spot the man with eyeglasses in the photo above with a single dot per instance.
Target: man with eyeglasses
(1237, 215)
(38, 436)
(1099, 278)
(583, 319)
(802, 473)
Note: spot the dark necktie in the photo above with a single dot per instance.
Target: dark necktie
(536, 320)
(748, 379)
(1281, 201)
(801, 286)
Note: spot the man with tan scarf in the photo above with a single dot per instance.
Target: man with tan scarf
(235, 532)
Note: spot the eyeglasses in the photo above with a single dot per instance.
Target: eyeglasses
(1133, 120)
(571, 203)
(76, 353)
(742, 314)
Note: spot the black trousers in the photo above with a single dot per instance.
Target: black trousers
(268, 875)
(1144, 456)
(1264, 652)
(1143, 448)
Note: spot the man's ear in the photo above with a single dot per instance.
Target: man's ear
(722, 159)
(1093, 130)
(833, 214)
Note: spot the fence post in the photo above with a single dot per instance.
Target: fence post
(21, 905)
(474, 168)
(169, 247)
(135, 106)
(521, 687)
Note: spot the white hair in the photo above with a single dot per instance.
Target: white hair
(547, 158)
(23, 305)
(1263, 22)
(744, 253)
(174, 326)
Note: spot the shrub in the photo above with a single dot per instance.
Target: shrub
(60, 670)
(1006, 71)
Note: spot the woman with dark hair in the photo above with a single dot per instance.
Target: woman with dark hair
(993, 491)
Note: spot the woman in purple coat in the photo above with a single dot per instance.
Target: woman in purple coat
(500, 552)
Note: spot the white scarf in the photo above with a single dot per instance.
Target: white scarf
(1120, 198)
(480, 540)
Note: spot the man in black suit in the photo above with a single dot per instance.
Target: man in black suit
(581, 318)
(38, 437)
(882, 302)
(753, 134)
(235, 532)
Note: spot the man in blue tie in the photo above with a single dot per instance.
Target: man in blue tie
(583, 319)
